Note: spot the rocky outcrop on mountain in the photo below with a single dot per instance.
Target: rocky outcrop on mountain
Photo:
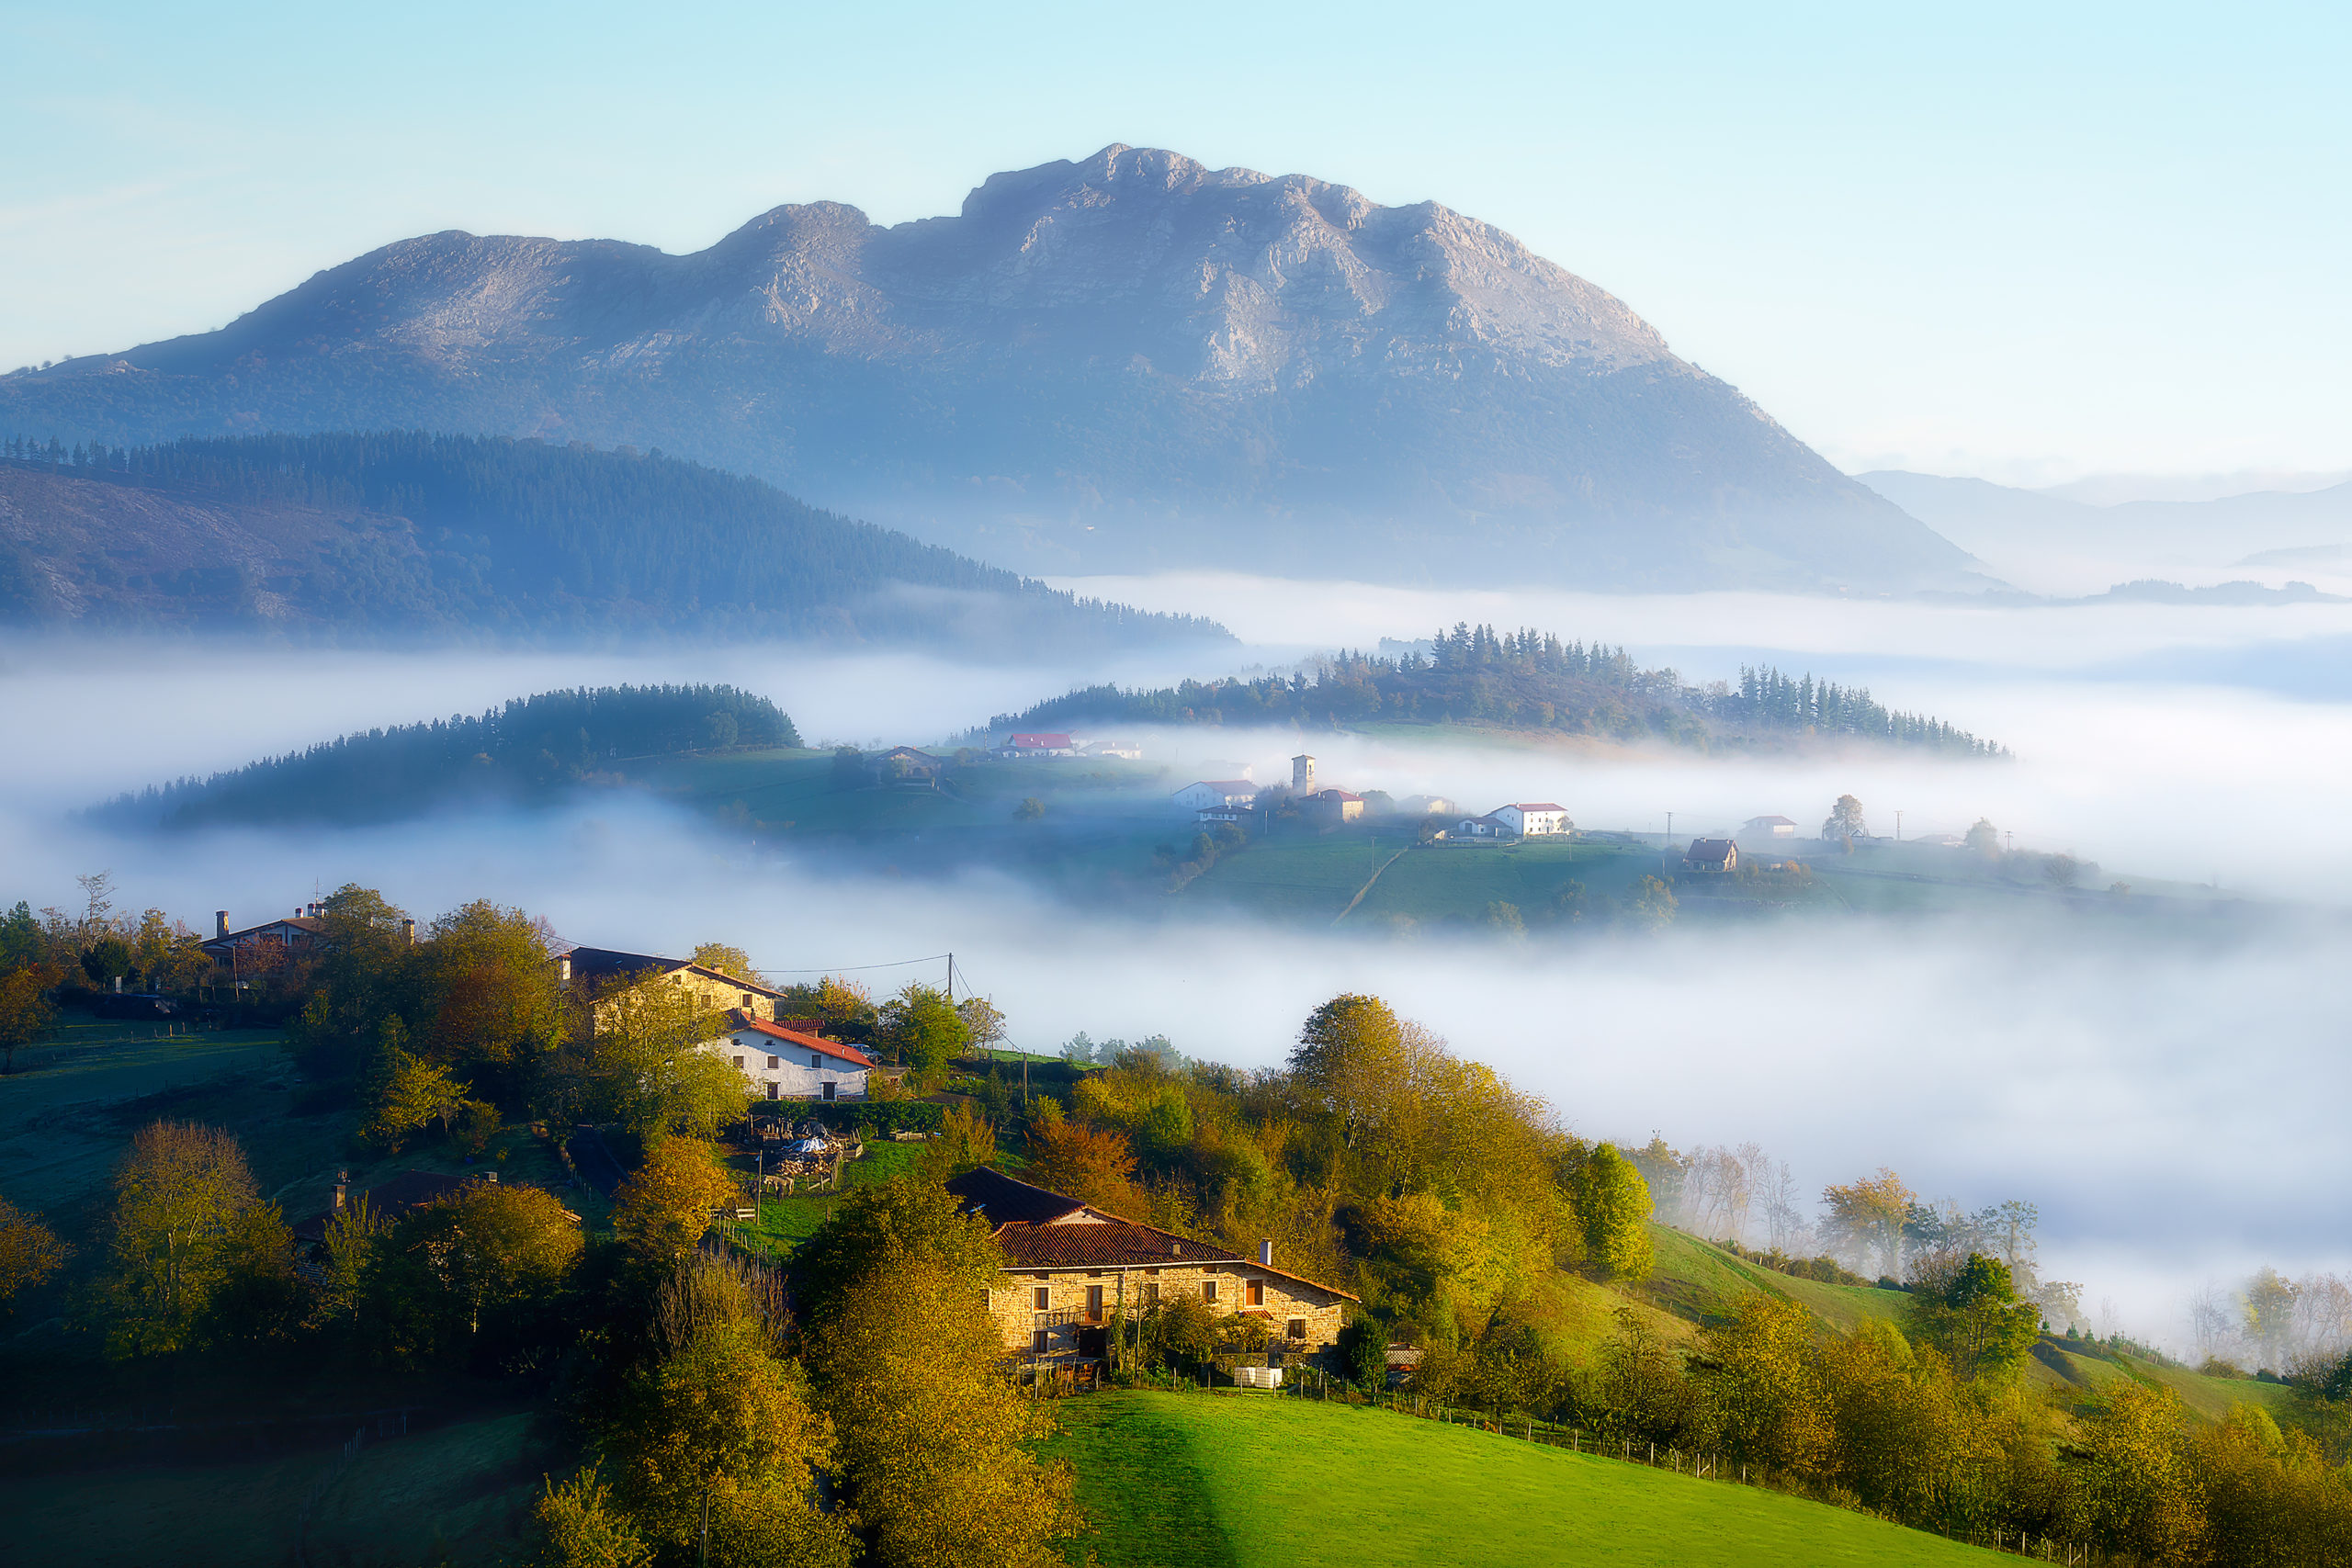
(1128, 362)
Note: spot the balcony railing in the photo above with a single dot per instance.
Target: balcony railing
(1067, 1317)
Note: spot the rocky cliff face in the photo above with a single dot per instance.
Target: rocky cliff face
(1128, 362)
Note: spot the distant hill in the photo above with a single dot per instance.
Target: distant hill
(1128, 362)
(2054, 544)
(1524, 680)
(529, 750)
(336, 537)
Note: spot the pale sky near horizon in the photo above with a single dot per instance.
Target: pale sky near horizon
(2029, 242)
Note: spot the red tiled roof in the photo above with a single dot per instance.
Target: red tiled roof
(849, 1054)
(1095, 1245)
(1536, 806)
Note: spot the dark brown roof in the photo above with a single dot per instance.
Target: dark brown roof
(1102, 1243)
(392, 1198)
(303, 925)
(597, 962)
(1710, 851)
(1002, 1201)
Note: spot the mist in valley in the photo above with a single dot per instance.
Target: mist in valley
(2163, 1090)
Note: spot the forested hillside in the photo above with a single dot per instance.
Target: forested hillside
(531, 748)
(343, 537)
(1524, 680)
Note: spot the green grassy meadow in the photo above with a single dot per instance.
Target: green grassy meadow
(1187, 1479)
(76, 1098)
(459, 1494)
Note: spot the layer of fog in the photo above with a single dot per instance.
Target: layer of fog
(2167, 1104)
(2172, 1111)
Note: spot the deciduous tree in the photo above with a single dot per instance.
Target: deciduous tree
(923, 1030)
(1868, 1216)
(580, 1526)
(728, 959)
(30, 1252)
(903, 1219)
(181, 1194)
(936, 1450)
(650, 1068)
(406, 1092)
(1970, 1311)
(1094, 1165)
(718, 1427)
(1613, 1203)
(494, 1250)
(663, 1210)
(25, 1012)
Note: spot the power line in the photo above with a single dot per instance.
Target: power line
(856, 969)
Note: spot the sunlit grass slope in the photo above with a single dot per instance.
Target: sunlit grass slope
(1253, 1479)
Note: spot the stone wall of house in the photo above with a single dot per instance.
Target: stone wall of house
(1014, 1302)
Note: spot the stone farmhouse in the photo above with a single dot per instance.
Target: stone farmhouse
(1070, 1268)
(595, 966)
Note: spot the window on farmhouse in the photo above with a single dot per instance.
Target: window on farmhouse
(1148, 1295)
(1094, 1304)
(739, 1061)
(815, 1060)
(1297, 1329)
(1208, 1289)
(1253, 1294)
(1045, 1298)
(1037, 1343)
(775, 1061)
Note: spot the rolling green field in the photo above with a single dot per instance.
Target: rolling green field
(460, 1494)
(1183, 1479)
(66, 1114)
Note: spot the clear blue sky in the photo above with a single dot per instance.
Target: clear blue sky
(2027, 242)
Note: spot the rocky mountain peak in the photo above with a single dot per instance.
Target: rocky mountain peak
(1123, 359)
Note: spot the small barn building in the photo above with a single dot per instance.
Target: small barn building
(1711, 856)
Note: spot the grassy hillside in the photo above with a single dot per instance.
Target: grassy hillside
(1243, 1480)
(460, 1494)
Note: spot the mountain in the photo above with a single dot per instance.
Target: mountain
(1124, 363)
(2055, 544)
(348, 537)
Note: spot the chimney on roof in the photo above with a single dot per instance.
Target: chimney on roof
(1265, 1254)
(221, 918)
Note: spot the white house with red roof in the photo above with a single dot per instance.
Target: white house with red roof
(791, 1063)
(1532, 818)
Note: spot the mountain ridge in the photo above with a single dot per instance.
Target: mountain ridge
(1126, 362)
